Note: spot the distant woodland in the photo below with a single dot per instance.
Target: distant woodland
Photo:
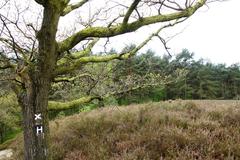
(151, 77)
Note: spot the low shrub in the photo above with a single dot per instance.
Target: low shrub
(148, 131)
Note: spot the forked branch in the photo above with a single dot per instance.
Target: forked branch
(95, 59)
(122, 28)
(72, 7)
(130, 10)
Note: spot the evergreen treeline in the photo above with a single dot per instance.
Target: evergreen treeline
(203, 80)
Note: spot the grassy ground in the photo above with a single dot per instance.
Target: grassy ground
(152, 131)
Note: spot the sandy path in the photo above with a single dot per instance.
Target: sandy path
(4, 154)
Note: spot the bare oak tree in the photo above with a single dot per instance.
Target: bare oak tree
(35, 54)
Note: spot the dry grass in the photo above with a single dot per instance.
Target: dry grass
(177, 130)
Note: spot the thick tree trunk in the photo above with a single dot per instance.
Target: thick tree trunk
(36, 128)
(37, 79)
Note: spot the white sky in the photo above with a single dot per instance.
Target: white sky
(212, 33)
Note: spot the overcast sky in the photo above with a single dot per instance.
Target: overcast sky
(212, 33)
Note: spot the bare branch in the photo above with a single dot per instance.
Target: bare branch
(73, 40)
(13, 31)
(17, 48)
(119, 93)
(129, 12)
(79, 62)
(14, 44)
(4, 4)
(70, 8)
(53, 105)
(175, 7)
(78, 54)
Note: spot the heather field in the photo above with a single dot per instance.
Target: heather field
(202, 129)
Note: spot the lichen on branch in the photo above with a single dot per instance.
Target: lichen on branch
(53, 105)
(122, 28)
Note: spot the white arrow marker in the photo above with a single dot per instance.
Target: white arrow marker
(38, 116)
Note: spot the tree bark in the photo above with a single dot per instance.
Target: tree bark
(37, 79)
(1, 132)
(35, 102)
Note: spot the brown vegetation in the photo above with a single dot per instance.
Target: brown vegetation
(177, 130)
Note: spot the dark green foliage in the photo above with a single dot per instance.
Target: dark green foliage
(204, 79)
(142, 95)
(10, 117)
